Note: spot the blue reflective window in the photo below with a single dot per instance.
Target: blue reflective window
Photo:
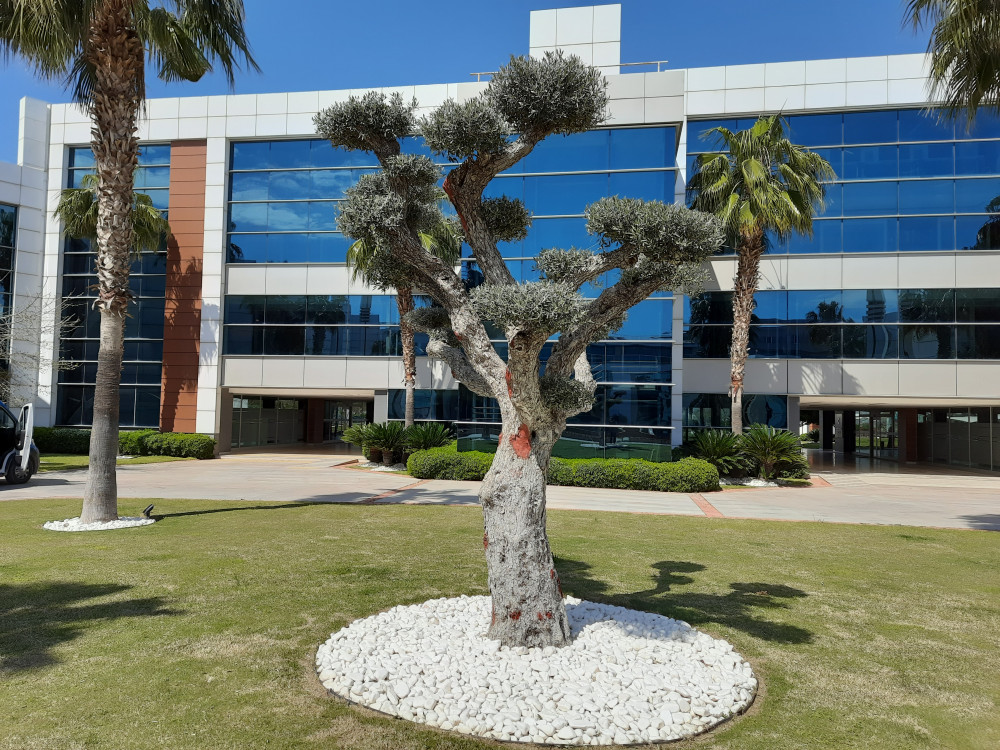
(159, 198)
(560, 233)
(248, 217)
(816, 130)
(870, 305)
(927, 197)
(650, 319)
(638, 148)
(986, 125)
(285, 340)
(642, 363)
(289, 186)
(247, 248)
(927, 305)
(150, 154)
(870, 342)
(827, 238)
(709, 307)
(870, 236)
(927, 160)
(814, 306)
(810, 342)
(927, 233)
(283, 217)
(81, 158)
(870, 162)
(328, 248)
(978, 305)
(977, 157)
(248, 186)
(512, 187)
(245, 308)
(326, 341)
(978, 342)
(926, 342)
(152, 177)
(870, 127)
(333, 183)
(563, 194)
(648, 186)
(975, 196)
(870, 199)
(978, 232)
(770, 307)
(243, 340)
(287, 248)
(918, 125)
(569, 153)
(322, 216)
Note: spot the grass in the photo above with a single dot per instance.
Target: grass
(200, 631)
(64, 461)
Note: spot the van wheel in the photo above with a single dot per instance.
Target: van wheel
(16, 475)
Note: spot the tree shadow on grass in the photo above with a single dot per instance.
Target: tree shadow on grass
(37, 617)
(985, 521)
(741, 608)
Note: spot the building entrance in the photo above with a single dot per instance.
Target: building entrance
(260, 420)
(876, 434)
(339, 415)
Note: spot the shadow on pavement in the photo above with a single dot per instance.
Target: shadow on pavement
(741, 608)
(341, 499)
(37, 617)
(985, 521)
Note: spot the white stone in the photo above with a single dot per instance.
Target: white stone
(627, 677)
(73, 524)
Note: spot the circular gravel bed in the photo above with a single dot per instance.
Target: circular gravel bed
(73, 524)
(628, 677)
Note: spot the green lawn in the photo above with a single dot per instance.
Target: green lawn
(200, 631)
(63, 461)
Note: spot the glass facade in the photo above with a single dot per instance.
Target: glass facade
(852, 324)
(905, 183)
(142, 368)
(8, 236)
(714, 411)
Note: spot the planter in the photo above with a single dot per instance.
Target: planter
(375, 455)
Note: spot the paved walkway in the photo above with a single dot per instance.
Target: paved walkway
(954, 501)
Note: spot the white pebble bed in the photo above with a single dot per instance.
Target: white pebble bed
(382, 467)
(746, 483)
(628, 677)
(73, 524)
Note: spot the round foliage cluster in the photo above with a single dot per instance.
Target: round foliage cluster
(565, 394)
(373, 122)
(507, 218)
(662, 231)
(465, 130)
(558, 265)
(552, 94)
(542, 306)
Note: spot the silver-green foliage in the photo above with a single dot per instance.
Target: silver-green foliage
(566, 394)
(538, 306)
(465, 130)
(507, 218)
(372, 122)
(662, 231)
(558, 265)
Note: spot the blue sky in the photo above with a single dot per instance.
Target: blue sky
(305, 45)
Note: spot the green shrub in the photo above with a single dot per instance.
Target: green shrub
(772, 451)
(180, 445)
(797, 467)
(428, 435)
(813, 435)
(686, 475)
(447, 463)
(795, 482)
(133, 442)
(722, 449)
(62, 440)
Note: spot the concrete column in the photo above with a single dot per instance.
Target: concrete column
(838, 429)
(381, 413)
(793, 414)
(826, 425)
(907, 435)
(315, 413)
(849, 432)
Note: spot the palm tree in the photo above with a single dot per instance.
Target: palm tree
(443, 241)
(100, 48)
(965, 53)
(759, 185)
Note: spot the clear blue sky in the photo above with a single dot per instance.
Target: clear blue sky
(305, 45)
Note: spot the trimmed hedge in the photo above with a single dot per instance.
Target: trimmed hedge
(130, 443)
(447, 463)
(686, 475)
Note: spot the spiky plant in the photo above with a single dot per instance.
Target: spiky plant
(723, 450)
(771, 449)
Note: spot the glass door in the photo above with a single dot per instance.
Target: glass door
(339, 415)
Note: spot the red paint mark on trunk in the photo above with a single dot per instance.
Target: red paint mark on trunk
(515, 615)
(541, 616)
(486, 542)
(510, 385)
(552, 573)
(559, 586)
(493, 617)
(521, 442)
(458, 335)
(500, 439)
(449, 190)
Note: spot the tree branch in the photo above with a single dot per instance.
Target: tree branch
(461, 368)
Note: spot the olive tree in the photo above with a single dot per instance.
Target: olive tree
(650, 245)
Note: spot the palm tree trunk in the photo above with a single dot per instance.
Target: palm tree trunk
(116, 53)
(750, 248)
(404, 301)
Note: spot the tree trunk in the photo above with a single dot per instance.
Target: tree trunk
(117, 56)
(100, 501)
(528, 609)
(404, 301)
(749, 250)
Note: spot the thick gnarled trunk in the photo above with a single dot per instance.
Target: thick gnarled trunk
(528, 608)
(404, 301)
(750, 249)
(114, 49)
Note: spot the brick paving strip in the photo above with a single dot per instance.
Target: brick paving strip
(706, 507)
(389, 493)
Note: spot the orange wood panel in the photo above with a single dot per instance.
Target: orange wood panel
(182, 310)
